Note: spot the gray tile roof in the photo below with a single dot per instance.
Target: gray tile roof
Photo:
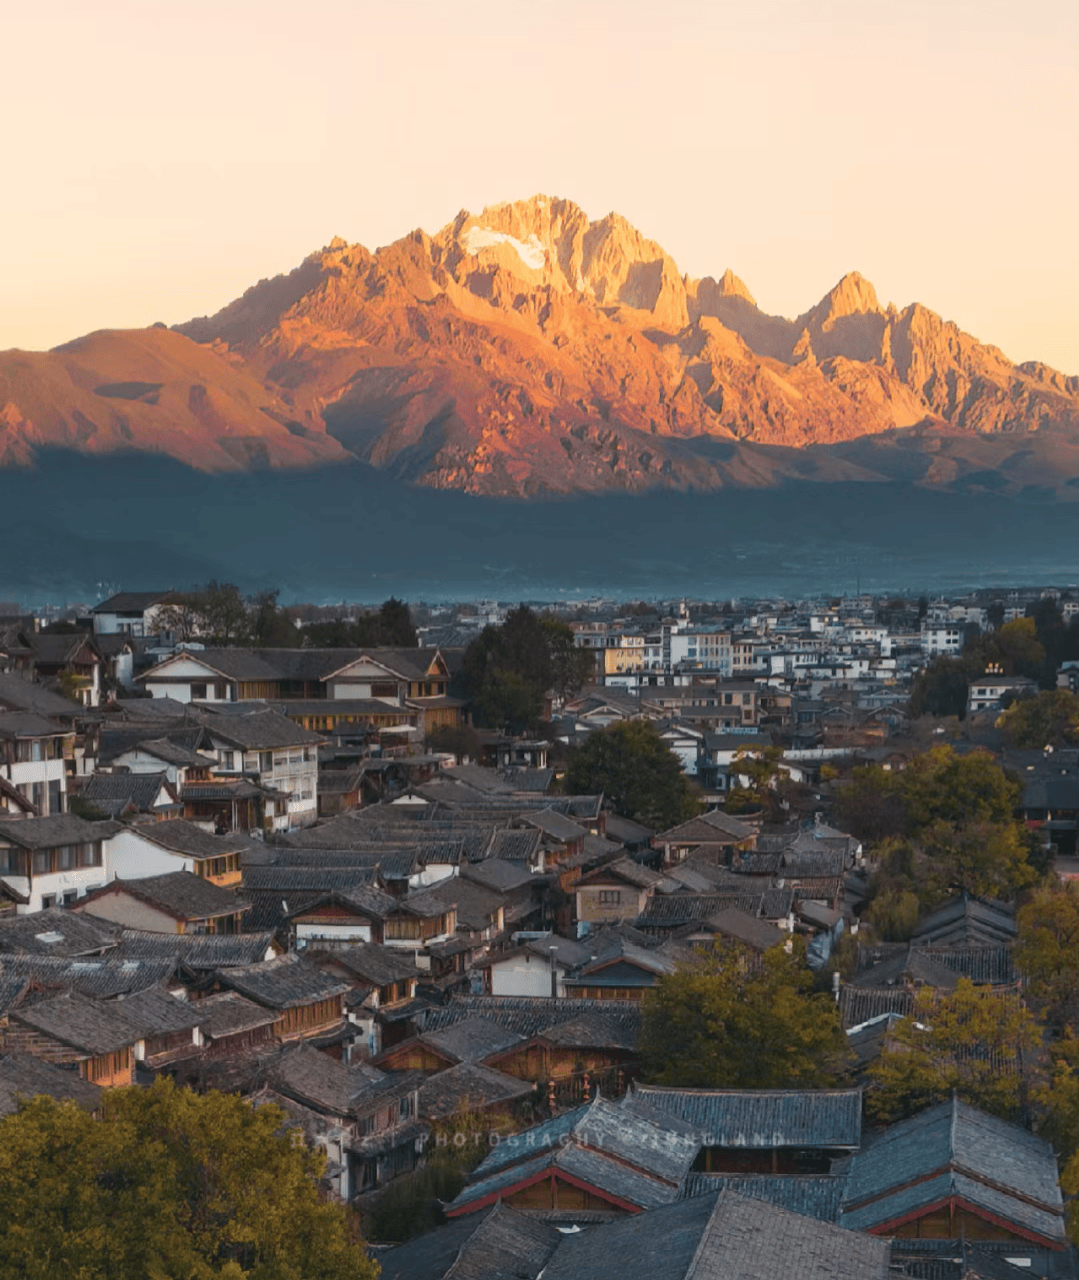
(322, 1082)
(632, 1155)
(81, 1022)
(713, 827)
(24, 1076)
(953, 1149)
(113, 793)
(765, 1119)
(374, 964)
(760, 934)
(260, 731)
(53, 831)
(185, 837)
(968, 921)
(155, 1012)
(531, 1016)
(56, 932)
(283, 983)
(813, 1196)
(228, 1013)
(499, 1245)
(194, 951)
(179, 894)
(472, 1039)
(469, 1086)
(102, 977)
(17, 694)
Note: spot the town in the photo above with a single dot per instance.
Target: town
(594, 939)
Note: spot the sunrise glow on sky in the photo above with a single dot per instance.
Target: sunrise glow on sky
(163, 156)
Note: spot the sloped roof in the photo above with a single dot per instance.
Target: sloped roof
(764, 1119)
(712, 827)
(18, 694)
(472, 1039)
(283, 983)
(759, 934)
(953, 1149)
(376, 964)
(494, 1246)
(714, 1236)
(531, 1016)
(113, 793)
(197, 951)
(81, 1022)
(968, 921)
(99, 976)
(155, 1012)
(469, 1085)
(228, 1013)
(56, 932)
(55, 830)
(814, 1196)
(181, 836)
(129, 601)
(318, 1080)
(24, 1076)
(260, 731)
(179, 894)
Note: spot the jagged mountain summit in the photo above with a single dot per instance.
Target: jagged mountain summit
(527, 350)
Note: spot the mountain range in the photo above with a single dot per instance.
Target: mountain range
(528, 352)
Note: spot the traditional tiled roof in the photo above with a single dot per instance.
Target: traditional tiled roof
(953, 1150)
(494, 1246)
(182, 895)
(260, 731)
(858, 1005)
(471, 1086)
(283, 983)
(670, 911)
(968, 921)
(759, 934)
(531, 1016)
(497, 874)
(195, 951)
(725, 1235)
(228, 1014)
(814, 1196)
(472, 1039)
(477, 907)
(102, 976)
(764, 1118)
(713, 827)
(555, 825)
(322, 1082)
(908, 965)
(17, 694)
(376, 965)
(85, 1024)
(24, 724)
(132, 601)
(114, 793)
(181, 836)
(56, 932)
(24, 1076)
(53, 831)
(155, 1012)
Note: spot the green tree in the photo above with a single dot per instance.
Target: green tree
(941, 688)
(271, 627)
(940, 786)
(1051, 719)
(506, 671)
(169, 1185)
(734, 1020)
(1014, 646)
(637, 772)
(225, 613)
(974, 1042)
(1047, 951)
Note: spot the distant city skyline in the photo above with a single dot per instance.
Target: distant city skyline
(163, 158)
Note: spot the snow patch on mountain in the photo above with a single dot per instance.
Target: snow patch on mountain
(530, 251)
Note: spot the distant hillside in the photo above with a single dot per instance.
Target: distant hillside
(347, 532)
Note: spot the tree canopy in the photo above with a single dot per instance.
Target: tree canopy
(636, 771)
(507, 670)
(1047, 951)
(735, 1020)
(976, 1042)
(1051, 719)
(170, 1185)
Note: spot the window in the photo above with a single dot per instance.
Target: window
(610, 897)
(198, 690)
(42, 861)
(66, 855)
(69, 896)
(48, 900)
(266, 761)
(228, 760)
(90, 854)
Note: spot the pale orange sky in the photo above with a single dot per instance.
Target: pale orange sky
(162, 155)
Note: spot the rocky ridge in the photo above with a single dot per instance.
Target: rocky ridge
(528, 350)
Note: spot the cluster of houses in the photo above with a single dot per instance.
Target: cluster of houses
(251, 875)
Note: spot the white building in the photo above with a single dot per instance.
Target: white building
(50, 861)
(32, 759)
